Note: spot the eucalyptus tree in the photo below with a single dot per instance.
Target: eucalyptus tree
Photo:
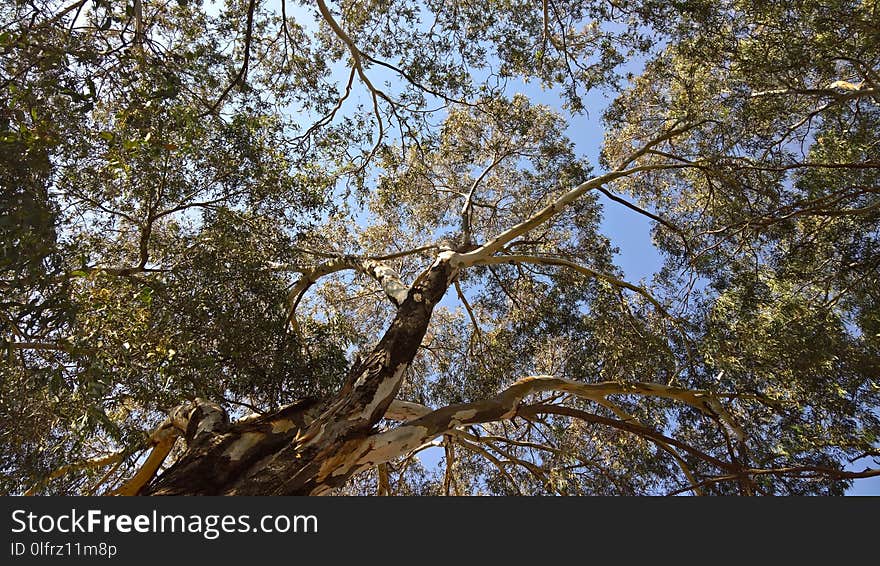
(285, 248)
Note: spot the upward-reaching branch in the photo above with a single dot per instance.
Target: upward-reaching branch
(138, 25)
(499, 241)
(375, 93)
(469, 201)
(548, 212)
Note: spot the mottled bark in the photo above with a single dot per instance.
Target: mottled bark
(219, 453)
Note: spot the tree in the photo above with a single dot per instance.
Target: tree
(283, 248)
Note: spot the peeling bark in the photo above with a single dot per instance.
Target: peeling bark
(218, 457)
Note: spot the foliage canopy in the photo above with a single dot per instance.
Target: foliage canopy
(249, 203)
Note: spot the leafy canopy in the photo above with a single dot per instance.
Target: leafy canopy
(172, 171)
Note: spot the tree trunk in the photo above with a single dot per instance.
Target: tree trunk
(311, 446)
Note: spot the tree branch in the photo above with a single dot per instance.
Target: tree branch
(375, 93)
(544, 260)
(191, 419)
(683, 466)
(390, 281)
(390, 444)
(468, 201)
(383, 485)
(549, 211)
(242, 72)
(92, 463)
(449, 487)
(405, 411)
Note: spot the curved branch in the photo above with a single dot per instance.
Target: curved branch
(499, 465)
(410, 79)
(544, 260)
(468, 201)
(682, 464)
(150, 467)
(641, 210)
(637, 429)
(92, 463)
(200, 416)
(394, 288)
(375, 93)
(391, 444)
(549, 211)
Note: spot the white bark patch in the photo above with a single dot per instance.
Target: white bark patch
(461, 416)
(339, 464)
(406, 410)
(394, 443)
(449, 256)
(386, 389)
(283, 425)
(342, 467)
(465, 415)
(247, 441)
(389, 279)
(249, 417)
(210, 423)
(360, 380)
(398, 292)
